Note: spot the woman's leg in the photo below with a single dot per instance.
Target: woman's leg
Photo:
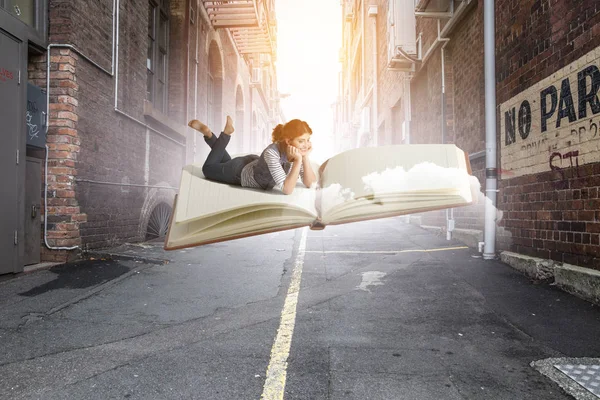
(226, 172)
(217, 150)
(214, 167)
(209, 136)
(211, 142)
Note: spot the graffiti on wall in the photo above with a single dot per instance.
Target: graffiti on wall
(553, 124)
(6, 75)
(32, 128)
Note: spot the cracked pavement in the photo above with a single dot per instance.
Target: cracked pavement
(404, 324)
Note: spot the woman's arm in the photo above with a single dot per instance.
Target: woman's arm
(309, 175)
(286, 182)
(292, 177)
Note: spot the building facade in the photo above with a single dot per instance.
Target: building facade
(115, 82)
(413, 72)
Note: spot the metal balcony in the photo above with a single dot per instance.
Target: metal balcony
(249, 22)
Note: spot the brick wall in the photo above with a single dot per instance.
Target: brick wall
(63, 141)
(107, 172)
(104, 168)
(464, 102)
(554, 213)
(391, 87)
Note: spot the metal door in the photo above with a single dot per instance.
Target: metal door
(33, 203)
(11, 117)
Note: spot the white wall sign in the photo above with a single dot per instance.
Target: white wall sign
(555, 123)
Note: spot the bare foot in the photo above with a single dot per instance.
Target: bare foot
(228, 130)
(199, 126)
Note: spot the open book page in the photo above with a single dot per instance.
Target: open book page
(207, 211)
(392, 180)
(234, 224)
(202, 198)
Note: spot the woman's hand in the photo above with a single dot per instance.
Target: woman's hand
(294, 153)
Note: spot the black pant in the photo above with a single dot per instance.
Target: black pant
(219, 166)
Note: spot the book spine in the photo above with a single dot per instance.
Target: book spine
(317, 225)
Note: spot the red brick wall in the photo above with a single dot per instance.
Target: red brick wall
(100, 161)
(552, 214)
(107, 172)
(466, 48)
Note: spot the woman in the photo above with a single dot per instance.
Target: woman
(279, 166)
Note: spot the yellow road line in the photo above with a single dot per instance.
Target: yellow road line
(386, 251)
(277, 369)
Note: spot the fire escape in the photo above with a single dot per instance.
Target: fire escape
(253, 26)
(251, 23)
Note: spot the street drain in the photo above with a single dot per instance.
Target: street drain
(587, 376)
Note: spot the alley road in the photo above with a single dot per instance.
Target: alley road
(371, 310)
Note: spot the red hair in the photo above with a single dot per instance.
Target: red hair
(290, 130)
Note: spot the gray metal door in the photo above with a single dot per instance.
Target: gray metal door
(10, 115)
(33, 222)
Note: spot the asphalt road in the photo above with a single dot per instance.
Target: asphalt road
(370, 310)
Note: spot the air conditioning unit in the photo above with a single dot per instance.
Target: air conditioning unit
(256, 76)
(402, 36)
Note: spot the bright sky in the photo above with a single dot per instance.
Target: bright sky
(308, 41)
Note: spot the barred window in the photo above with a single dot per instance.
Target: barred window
(157, 60)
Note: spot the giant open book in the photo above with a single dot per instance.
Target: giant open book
(355, 185)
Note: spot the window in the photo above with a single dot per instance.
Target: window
(23, 9)
(158, 43)
(33, 14)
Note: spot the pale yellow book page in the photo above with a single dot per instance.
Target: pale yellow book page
(365, 209)
(357, 182)
(199, 198)
(235, 223)
(349, 167)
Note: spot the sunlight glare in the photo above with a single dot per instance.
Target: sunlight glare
(308, 42)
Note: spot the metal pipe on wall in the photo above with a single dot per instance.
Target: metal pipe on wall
(449, 212)
(407, 108)
(491, 172)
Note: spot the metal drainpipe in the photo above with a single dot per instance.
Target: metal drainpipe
(449, 212)
(407, 108)
(491, 172)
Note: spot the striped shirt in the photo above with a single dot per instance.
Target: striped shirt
(269, 170)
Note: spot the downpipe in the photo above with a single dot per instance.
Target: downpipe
(491, 171)
(449, 212)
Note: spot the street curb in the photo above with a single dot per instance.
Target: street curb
(95, 290)
(578, 281)
(582, 282)
(470, 237)
(533, 267)
(124, 257)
